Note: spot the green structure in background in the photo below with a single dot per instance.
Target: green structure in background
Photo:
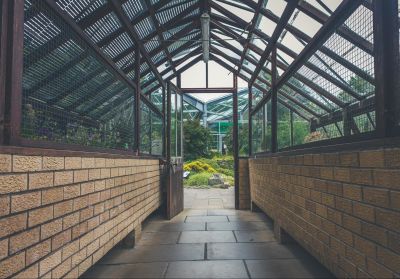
(216, 115)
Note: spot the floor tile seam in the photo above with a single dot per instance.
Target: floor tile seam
(247, 269)
(179, 237)
(196, 260)
(166, 271)
(253, 259)
(229, 242)
(234, 235)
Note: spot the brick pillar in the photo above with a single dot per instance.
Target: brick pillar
(244, 184)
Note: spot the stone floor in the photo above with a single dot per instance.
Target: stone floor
(209, 241)
(209, 198)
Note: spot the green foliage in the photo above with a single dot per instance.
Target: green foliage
(361, 85)
(300, 131)
(196, 138)
(243, 140)
(39, 124)
(221, 164)
(197, 179)
(199, 166)
(206, 167)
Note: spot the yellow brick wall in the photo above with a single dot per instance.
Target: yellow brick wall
(244, 184)
(342, 207)
(60, 215)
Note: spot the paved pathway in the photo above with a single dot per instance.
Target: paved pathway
(209, 198)
(208, 242)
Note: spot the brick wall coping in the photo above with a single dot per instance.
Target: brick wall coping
(351, 146)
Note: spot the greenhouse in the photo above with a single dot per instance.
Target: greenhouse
(115, 113)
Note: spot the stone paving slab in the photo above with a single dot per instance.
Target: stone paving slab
(207, 269)
(191, 219)
(159, 238)
(140, 270)
(237, 226)
(250, 251)
(254, 236)
(209, 240)
(174, 227)
(155, 253)
(286, 268)
(207, 236)
(248, 218)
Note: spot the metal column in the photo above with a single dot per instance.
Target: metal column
(386, 48)
(137, 103)
(274, 104)
(236, 140)
(12, 43)
(250, 104)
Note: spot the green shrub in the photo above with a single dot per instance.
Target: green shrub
(198, 166)
(197, 179)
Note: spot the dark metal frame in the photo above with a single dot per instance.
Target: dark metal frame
(11, 51)
(387, 70)
(385, 50)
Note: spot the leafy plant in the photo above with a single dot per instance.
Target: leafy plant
(198, 179)
(198, 166)
(196, 138)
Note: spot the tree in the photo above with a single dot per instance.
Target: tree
(243, 139)
(196, 138)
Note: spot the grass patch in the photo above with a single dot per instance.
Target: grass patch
(197, 179)
(203, 168)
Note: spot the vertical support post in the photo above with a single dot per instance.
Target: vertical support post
(168, 149)
(346, 122)
(250, 105)
(179, 81)
(207, 75)
(236, 140)
(164, 130)
(313, 125)
(274, 104)
(386, 50)
(205, 115)
(3, 46)
(291, 128)
(137, 103)
(150, 131)
(12, 43)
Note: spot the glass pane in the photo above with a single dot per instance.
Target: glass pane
(173, 124)
(178, 125)
(261, 130)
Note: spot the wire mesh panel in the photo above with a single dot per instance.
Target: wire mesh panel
(284, 127)
(261, 130)
(145, 129)
(300, 129)
(69, 94)
(334, 88)
(157, 137)
(151, 125)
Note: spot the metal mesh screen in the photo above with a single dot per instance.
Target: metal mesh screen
(284, 127)
(261, 130)
(69, 94)
(331, 95)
